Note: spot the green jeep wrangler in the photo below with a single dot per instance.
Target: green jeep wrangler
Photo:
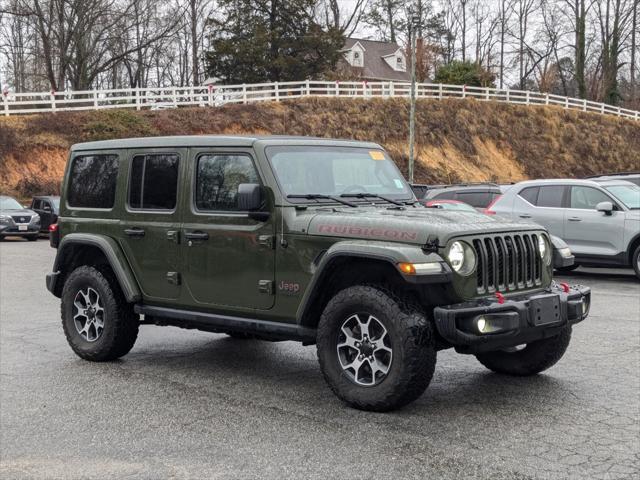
(314, 240)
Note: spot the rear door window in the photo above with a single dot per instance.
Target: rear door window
(550, 196)
(154, 182)
(92, 181)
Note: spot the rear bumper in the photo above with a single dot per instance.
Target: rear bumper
(516, 321)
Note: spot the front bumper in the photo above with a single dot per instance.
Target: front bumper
(14, 230)
(518, 320)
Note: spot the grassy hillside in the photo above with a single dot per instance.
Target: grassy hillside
(457, 140)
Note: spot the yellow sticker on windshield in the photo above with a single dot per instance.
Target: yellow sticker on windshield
(376, 155)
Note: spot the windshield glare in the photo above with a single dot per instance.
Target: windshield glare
(336, 171)
(8, 203)
(629, 195)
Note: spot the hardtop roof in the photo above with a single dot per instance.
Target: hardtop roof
(215, 141)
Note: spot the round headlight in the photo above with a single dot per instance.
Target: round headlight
(462, 258)
(543, 249)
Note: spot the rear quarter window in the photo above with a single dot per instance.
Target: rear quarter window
(530, 194)
(92, 181)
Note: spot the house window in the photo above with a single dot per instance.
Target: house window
(399, 63)
(357, 59)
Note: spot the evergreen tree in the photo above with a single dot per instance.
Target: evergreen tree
(270, 40)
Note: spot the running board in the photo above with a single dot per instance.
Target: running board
(224, 323)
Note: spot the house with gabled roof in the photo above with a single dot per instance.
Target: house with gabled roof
(373, 60)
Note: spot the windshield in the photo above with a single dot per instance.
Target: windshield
(627, 194)
(8, 203)
(337, 171)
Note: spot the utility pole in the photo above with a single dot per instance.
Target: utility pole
(413, 31)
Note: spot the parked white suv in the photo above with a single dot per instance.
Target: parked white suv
(599, 220)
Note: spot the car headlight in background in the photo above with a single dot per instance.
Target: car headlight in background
(543, 249)
(462, 258)
(35, 218)
(4, 219)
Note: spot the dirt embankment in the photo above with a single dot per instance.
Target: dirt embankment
(457, 140)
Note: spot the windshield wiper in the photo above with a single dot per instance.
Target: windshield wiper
(316, 196)
(372, 195)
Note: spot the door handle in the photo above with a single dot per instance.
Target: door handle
(134, 232)
(575, 219)
(524, 215)
(196, 236)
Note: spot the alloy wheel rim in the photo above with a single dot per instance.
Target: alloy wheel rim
(364, 349)
(88, 316)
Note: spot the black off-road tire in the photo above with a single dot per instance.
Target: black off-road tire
(412, 340)
(121, 323)
(635, 261)
(532, 359)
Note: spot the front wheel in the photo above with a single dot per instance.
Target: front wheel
(376, 352)
(98, 322)
(635, 261)
(529, 359)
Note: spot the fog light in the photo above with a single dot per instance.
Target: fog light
(481, 323)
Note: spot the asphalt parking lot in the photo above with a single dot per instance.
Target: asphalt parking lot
(186, 404)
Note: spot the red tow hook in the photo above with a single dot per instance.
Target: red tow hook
(565, 287)
(500, 298)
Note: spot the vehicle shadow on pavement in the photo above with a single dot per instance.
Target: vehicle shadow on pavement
(269, 372)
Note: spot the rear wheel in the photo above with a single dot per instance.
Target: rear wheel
(529, 359)
(635, 261)
(97, 320)
(376, 352)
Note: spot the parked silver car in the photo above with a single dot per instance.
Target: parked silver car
(600, 221)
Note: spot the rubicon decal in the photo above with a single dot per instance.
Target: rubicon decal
(389, 233)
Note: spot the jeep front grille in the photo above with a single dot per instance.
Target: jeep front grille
(507, 263)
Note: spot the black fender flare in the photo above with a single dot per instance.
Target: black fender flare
(391, 253)
(112, 252)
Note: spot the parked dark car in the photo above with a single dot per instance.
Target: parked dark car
(478, 195)
(17, 221)
(48, 208)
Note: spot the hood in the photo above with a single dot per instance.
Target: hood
(18, 212)
(413, 225)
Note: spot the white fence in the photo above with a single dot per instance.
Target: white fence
(174, 97)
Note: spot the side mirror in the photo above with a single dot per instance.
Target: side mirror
(249, 197)
(250, 200)
(47, 208)
(605, 207)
